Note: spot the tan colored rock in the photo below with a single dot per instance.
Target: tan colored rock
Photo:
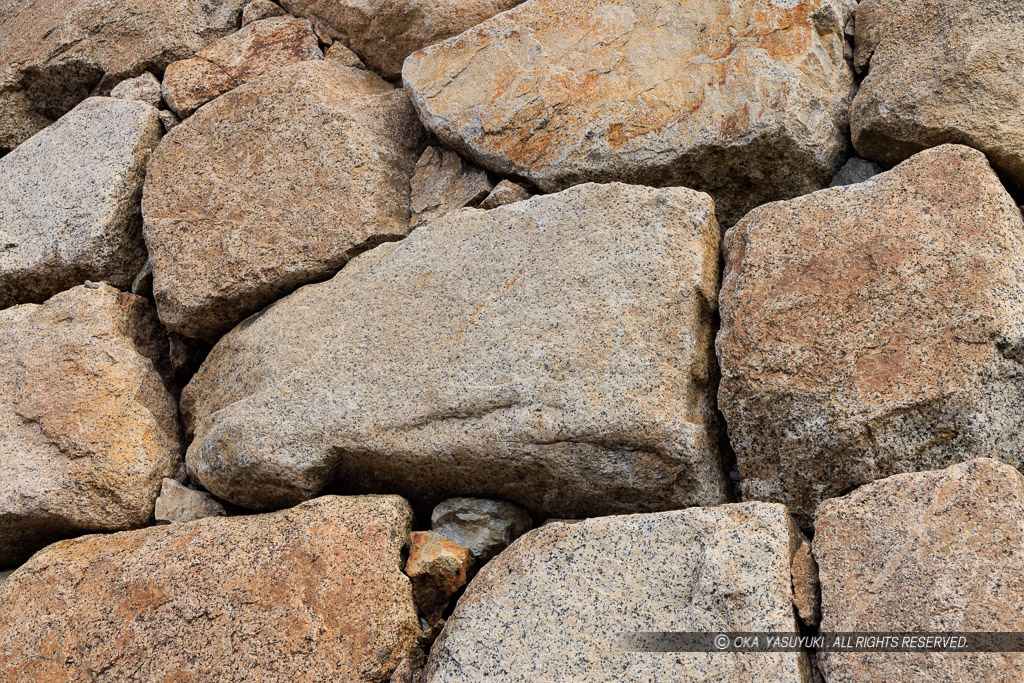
(946, 71)
(69, 201)
(505, 192)
(555, 353)
(260, 9)
(437, 567)
(275, 184)
(343, 56)
(312, 593)
(177, 503)
(806, 591)
(871, 24)
(169, 120)
(259, 48)
(933, 552)
(557, 604)
(144, 88)
(384, 32)
(443, 183)
(87, 428)
(746, 101)
(874, 329)
(55, 53)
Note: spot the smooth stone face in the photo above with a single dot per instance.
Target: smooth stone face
(946, 71)
(557, 604)
(257, 49)
(275, 184)
(486, 527)
(69, 201)
(311, 593)
(934, 551)
(874, 329)
(144, 88)
(55, 53)
(747, 101)
(384, 32)
(443, 183)
(556, 353)
(505, 192)
(855, 171)
(178, 503)
(87, 428)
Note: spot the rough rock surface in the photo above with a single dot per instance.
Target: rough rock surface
(556, 353)
(855, 171)
(69, 201)
(169, 119)
(934, 551)
(747, 101)
(443, 183)
(871, 23)
(555, 605)
(486, 527)
(55, 53)
(144, 88)
(505, 192)
(177, 503)
(806, 590)
(437, 567)
(87, 428)
(259, 48)
(384, 32)
(312, 593)
(874, 329)
(946, 71)
(275, 184)
(260, 9)
(343, 56)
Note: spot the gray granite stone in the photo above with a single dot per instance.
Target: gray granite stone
(177, 503)
(486, 527)
(855, 170)
(144, 88)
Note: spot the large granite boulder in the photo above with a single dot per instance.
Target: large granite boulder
(69, 201)
(275, 184)
(928, 552)
(312, 593)
(87, 427)
(874, 329)
(55, 53)
(747, 101)
(946, 71)
(558, 604)
(384, 32)
(555, 353)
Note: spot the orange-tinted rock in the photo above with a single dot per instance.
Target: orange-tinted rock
(437, 567)
(311, 593)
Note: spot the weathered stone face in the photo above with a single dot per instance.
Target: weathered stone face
(443, 183)
(486, 527)
(384, 32)
(87, 428)
(556, 605)
(874, 329)
(946, 71)
(556, 353)
(177, 503)
(275, 184)
(69, 201)
(934, 552)
(316, 592)
(55, 53)
(871, 23)
(746, 101)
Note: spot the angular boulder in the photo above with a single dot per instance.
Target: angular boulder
(874, 329)
(384, 32)
(87, 428)
(946, 71)
(871, 23)
(555, 353)
(486, 527)
(55, 53)
(312, 593)
(69, 201)
(437, 567)
(746, 101)
(557, 604)
(259, 48)
(933, 552)
(178, 503)
(275, 184)
(144, 88)
(443, 183)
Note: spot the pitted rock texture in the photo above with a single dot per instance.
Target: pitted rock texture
(55, 53)
(747, 101)
(505, 192)
(854, 171)
(486, 527)
(177, 503)
(144, 88)
(555, 353)
(556, 605)
(87, 428)
(871, 23)
(437, 567)
(312, 593)
(260, 9)
(275, 184)
(934, 551)
(443, 183)
(259, 48)
(874, 329)
(946, 71)
(69, 201)
(384, 32)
